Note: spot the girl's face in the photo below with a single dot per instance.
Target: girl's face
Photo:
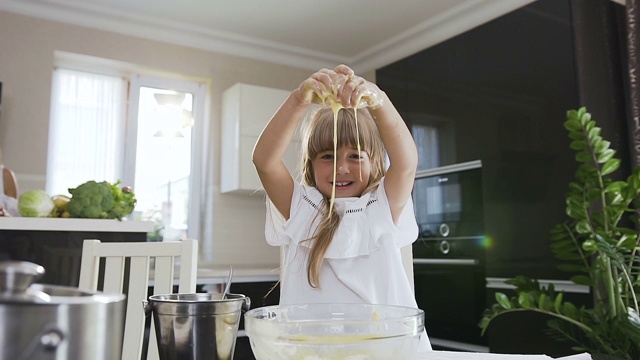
(349, 165)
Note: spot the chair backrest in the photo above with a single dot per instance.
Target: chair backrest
(142, 270)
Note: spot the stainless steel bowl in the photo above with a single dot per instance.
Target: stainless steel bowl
(334, 332)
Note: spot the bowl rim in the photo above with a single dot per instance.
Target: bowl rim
(251, 314)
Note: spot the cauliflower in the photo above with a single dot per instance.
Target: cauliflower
(101, 200)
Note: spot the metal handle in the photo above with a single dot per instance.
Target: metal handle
(246, 304)
(44, 344)
(466, 262)
(147, 307)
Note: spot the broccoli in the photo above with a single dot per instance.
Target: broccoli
(101, 200)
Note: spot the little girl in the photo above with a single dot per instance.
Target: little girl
(345, 250)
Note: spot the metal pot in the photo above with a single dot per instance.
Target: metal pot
(47, 322)
(196, 326)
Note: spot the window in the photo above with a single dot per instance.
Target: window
(162, 148)
(434, 137)
(87, 129)
(150, 145)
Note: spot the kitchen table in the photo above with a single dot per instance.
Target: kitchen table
(456, 355)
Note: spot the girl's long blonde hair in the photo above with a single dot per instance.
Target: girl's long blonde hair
(317, 138)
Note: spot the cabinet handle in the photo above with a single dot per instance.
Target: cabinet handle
(466, 262)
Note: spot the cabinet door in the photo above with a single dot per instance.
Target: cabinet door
(246, 110)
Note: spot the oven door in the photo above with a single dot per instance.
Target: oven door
(449, 203)
(452, 294)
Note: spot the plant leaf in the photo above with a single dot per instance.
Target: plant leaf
(503, 300)
(601, 145)
(610, 166)
(572, 125)
(583, 157)
(578, 145)
(557, 304)
(524, 300)
(583, 227)
(606, 155)
(582, 280)
(593, 133)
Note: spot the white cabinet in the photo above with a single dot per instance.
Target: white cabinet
(246, 109)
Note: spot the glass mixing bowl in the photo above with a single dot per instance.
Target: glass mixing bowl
(334, 332)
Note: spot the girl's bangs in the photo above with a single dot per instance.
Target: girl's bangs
(322, 138)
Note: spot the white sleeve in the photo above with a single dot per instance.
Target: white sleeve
(274, 226)
(407, 225)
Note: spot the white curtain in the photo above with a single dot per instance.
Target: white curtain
(86, 129)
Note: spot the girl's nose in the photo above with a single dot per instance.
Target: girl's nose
(342, 168)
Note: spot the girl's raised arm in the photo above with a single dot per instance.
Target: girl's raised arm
(397, 138)
(275, 138)
(403, 155)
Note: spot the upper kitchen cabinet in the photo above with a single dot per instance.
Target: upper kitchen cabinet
(246, 109)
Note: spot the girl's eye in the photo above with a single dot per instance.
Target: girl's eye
(326, 156)
(356, 156)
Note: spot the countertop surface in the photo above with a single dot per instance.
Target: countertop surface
(216, 274)
(67, 224)
(455, 355)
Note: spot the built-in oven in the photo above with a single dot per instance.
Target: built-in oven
(448, 257)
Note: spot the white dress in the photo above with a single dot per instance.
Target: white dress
(8, 203)
(363, 263)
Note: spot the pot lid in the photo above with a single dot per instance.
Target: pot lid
(16, 276)
(17, 286)
(15, 279)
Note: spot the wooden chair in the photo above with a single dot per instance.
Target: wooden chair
(115, 277)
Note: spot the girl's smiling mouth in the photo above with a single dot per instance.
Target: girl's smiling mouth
(342, 184)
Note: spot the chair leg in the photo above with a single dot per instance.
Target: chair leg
(152, 350)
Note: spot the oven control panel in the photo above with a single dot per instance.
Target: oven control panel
(449, 247)
(451, 229)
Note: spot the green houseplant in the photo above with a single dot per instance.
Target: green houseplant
(599, 244)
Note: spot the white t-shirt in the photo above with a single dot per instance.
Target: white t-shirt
(363, 263)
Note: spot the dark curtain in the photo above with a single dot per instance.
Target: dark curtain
(632, 16)
(599, 48)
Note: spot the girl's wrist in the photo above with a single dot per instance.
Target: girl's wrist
(297, 95)
(303, 99)
(379, 105)
(296, 101)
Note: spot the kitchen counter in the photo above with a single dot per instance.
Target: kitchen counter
(217, 274)
(67, 224)
(454, 355)
(56, 243)
(214, 276)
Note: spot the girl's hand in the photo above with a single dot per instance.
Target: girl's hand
(354, 91)
(317, 87)
(342, 86)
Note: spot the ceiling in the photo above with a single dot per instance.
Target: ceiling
(365, 34)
